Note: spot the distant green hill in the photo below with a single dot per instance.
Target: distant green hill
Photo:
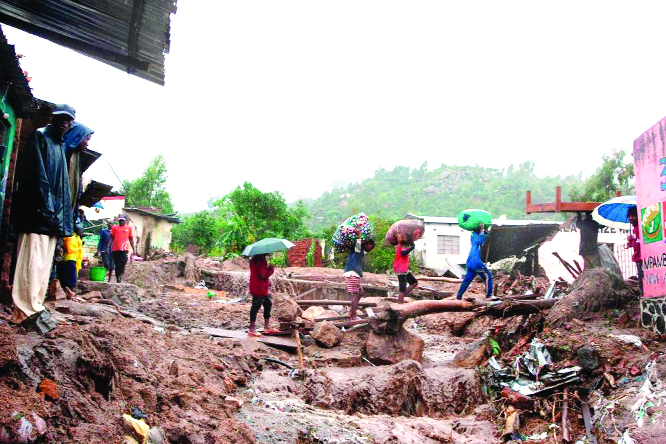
(444, 191)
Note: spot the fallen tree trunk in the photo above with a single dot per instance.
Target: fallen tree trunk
(437, 279)
(391, 318)
(311, 302)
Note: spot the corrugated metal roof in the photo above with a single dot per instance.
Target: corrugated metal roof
(168, 217)
(11, 75)
(131, 35)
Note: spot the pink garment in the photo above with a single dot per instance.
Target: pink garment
(635, 243)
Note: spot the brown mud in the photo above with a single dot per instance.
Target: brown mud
(199, 389)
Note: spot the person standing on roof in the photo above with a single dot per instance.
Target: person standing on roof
(354, 271)
(43, 213)
(260, 272)
(475, 266)
(121, 239)
(589, 246)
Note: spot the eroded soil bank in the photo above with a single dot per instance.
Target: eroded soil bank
(75, 384)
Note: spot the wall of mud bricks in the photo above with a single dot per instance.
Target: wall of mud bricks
(298, 256)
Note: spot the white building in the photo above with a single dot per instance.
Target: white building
(444, 244)
(113, 206)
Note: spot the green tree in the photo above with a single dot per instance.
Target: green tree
(149, 190)
(613, 175)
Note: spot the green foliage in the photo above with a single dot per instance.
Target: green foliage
(149, 190)
(240, 218)
(613, 175)
(444, 191)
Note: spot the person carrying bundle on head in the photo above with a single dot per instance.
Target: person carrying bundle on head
(475, 265)
(354, 271)
(401, 268)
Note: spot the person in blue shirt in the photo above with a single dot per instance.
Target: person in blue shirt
(475, 265)
(103, 248)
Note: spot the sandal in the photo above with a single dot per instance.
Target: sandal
(270, 331)
(254, 334)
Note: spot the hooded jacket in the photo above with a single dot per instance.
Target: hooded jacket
(42, 193)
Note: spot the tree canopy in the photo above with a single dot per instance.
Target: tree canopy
(240, 218)
(613, 175)
(149, 190)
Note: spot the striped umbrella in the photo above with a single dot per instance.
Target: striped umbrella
(613, 213)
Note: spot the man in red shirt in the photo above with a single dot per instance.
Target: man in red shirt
(260, 271)
(121, 240)
(401, 269)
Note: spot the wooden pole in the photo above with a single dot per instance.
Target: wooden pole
(297, 338)
(310, 302)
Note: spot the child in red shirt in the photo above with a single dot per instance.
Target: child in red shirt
(401, 269)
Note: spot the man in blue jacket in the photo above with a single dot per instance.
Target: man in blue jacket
(475, 265)
(44, 213)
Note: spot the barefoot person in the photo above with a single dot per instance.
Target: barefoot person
(68, 269)
(354, 272)
(43, 213)
(475, 265)
(401, 269)
(260, 272)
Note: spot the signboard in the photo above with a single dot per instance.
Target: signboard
(650, 171)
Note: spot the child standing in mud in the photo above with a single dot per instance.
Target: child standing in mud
(475, 265)
(260, 271)
(354, 271)
(401, 269)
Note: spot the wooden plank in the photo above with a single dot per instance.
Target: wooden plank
(435, 279)
(333, 302)
(275, 341)
(302, 295)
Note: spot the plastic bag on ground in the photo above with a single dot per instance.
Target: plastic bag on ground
(409, 230)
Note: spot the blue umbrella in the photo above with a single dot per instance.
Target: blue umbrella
(613, 213)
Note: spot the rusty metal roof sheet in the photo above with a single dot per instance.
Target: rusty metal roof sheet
(11, 76)
(131, 35)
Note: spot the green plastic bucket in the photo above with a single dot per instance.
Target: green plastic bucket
(97, 274)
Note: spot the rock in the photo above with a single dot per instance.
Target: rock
(329, 314)
(391, 349)
(92, 294)
(313, 313)
(233, 402)
(285, 309)
(588, 358)
(156, 436)
(327, 334)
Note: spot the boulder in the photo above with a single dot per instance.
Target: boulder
(588, 358)
(329, 314)
(391, 349)
(327, 334)
(313, 313)
(285, 309)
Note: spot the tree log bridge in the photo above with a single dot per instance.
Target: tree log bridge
(436, 279)
(310, 302)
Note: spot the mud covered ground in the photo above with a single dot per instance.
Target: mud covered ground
(75, 384)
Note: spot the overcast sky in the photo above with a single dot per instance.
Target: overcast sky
(297, 96)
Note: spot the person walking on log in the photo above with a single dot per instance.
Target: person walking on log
(475, 265)
(260, 272)
(401, 269)
(354, 271)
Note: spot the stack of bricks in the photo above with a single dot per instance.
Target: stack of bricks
(298, 255)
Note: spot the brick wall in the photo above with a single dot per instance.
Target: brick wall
(298, 256)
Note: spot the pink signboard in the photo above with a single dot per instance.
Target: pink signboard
(650, 171)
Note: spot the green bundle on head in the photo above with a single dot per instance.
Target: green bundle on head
(471, 219)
